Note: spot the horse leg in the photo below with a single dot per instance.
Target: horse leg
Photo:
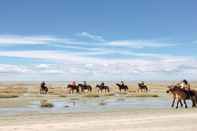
(177, 104)
(47, 90)
(185, 103)
(173, 102)
(193, 102)
(181, 103)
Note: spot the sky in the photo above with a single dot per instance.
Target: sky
(65, 40)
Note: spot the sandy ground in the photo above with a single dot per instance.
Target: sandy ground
(135, 120)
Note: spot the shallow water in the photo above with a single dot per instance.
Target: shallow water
(92, 105)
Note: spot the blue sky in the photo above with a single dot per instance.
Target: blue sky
(98, 40)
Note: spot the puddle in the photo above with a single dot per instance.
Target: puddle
(92, 105)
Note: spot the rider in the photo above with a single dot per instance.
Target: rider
(122, 83)
(42, 84)
(85, 83)
(142, 83)
(73, 83)
(102, 84)
(186, 86)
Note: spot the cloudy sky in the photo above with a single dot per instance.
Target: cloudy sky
(98, 40)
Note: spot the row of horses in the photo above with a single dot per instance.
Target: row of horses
(101, 88)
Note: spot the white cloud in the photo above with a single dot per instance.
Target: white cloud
(139, 44)
(42, 66)
(80, 67)
(8, 68)
(91, 36)
(19, 39)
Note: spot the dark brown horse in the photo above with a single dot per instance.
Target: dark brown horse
(122, 87)
(102, 87)
(73, 88)
(180, 95)
(142, 87)
(85, 87)
(43, 88)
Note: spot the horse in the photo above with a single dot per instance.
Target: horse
(142, 87)
(43, 89)
(85, 87)
(180, 95)
(124, 87)
(101, 88)
(73, 88)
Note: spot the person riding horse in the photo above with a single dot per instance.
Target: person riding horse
(142, 87)
(122, 86)
(102, 87)
(73, 86)
(43, 87)
(85, 86)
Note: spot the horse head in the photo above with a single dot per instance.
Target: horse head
(118, 84)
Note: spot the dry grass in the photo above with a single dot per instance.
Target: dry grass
(11, 92)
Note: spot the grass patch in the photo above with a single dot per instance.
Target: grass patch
(91, 95)
(62, 95)
(45, 103)
(102, 103)
(8, 95)
(74, 99)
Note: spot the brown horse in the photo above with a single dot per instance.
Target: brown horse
(142, 87)
(122, 87)
(85, 87)
(180, 95)
(73, 88)
(101, 88)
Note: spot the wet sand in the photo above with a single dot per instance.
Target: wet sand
(127, 120)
